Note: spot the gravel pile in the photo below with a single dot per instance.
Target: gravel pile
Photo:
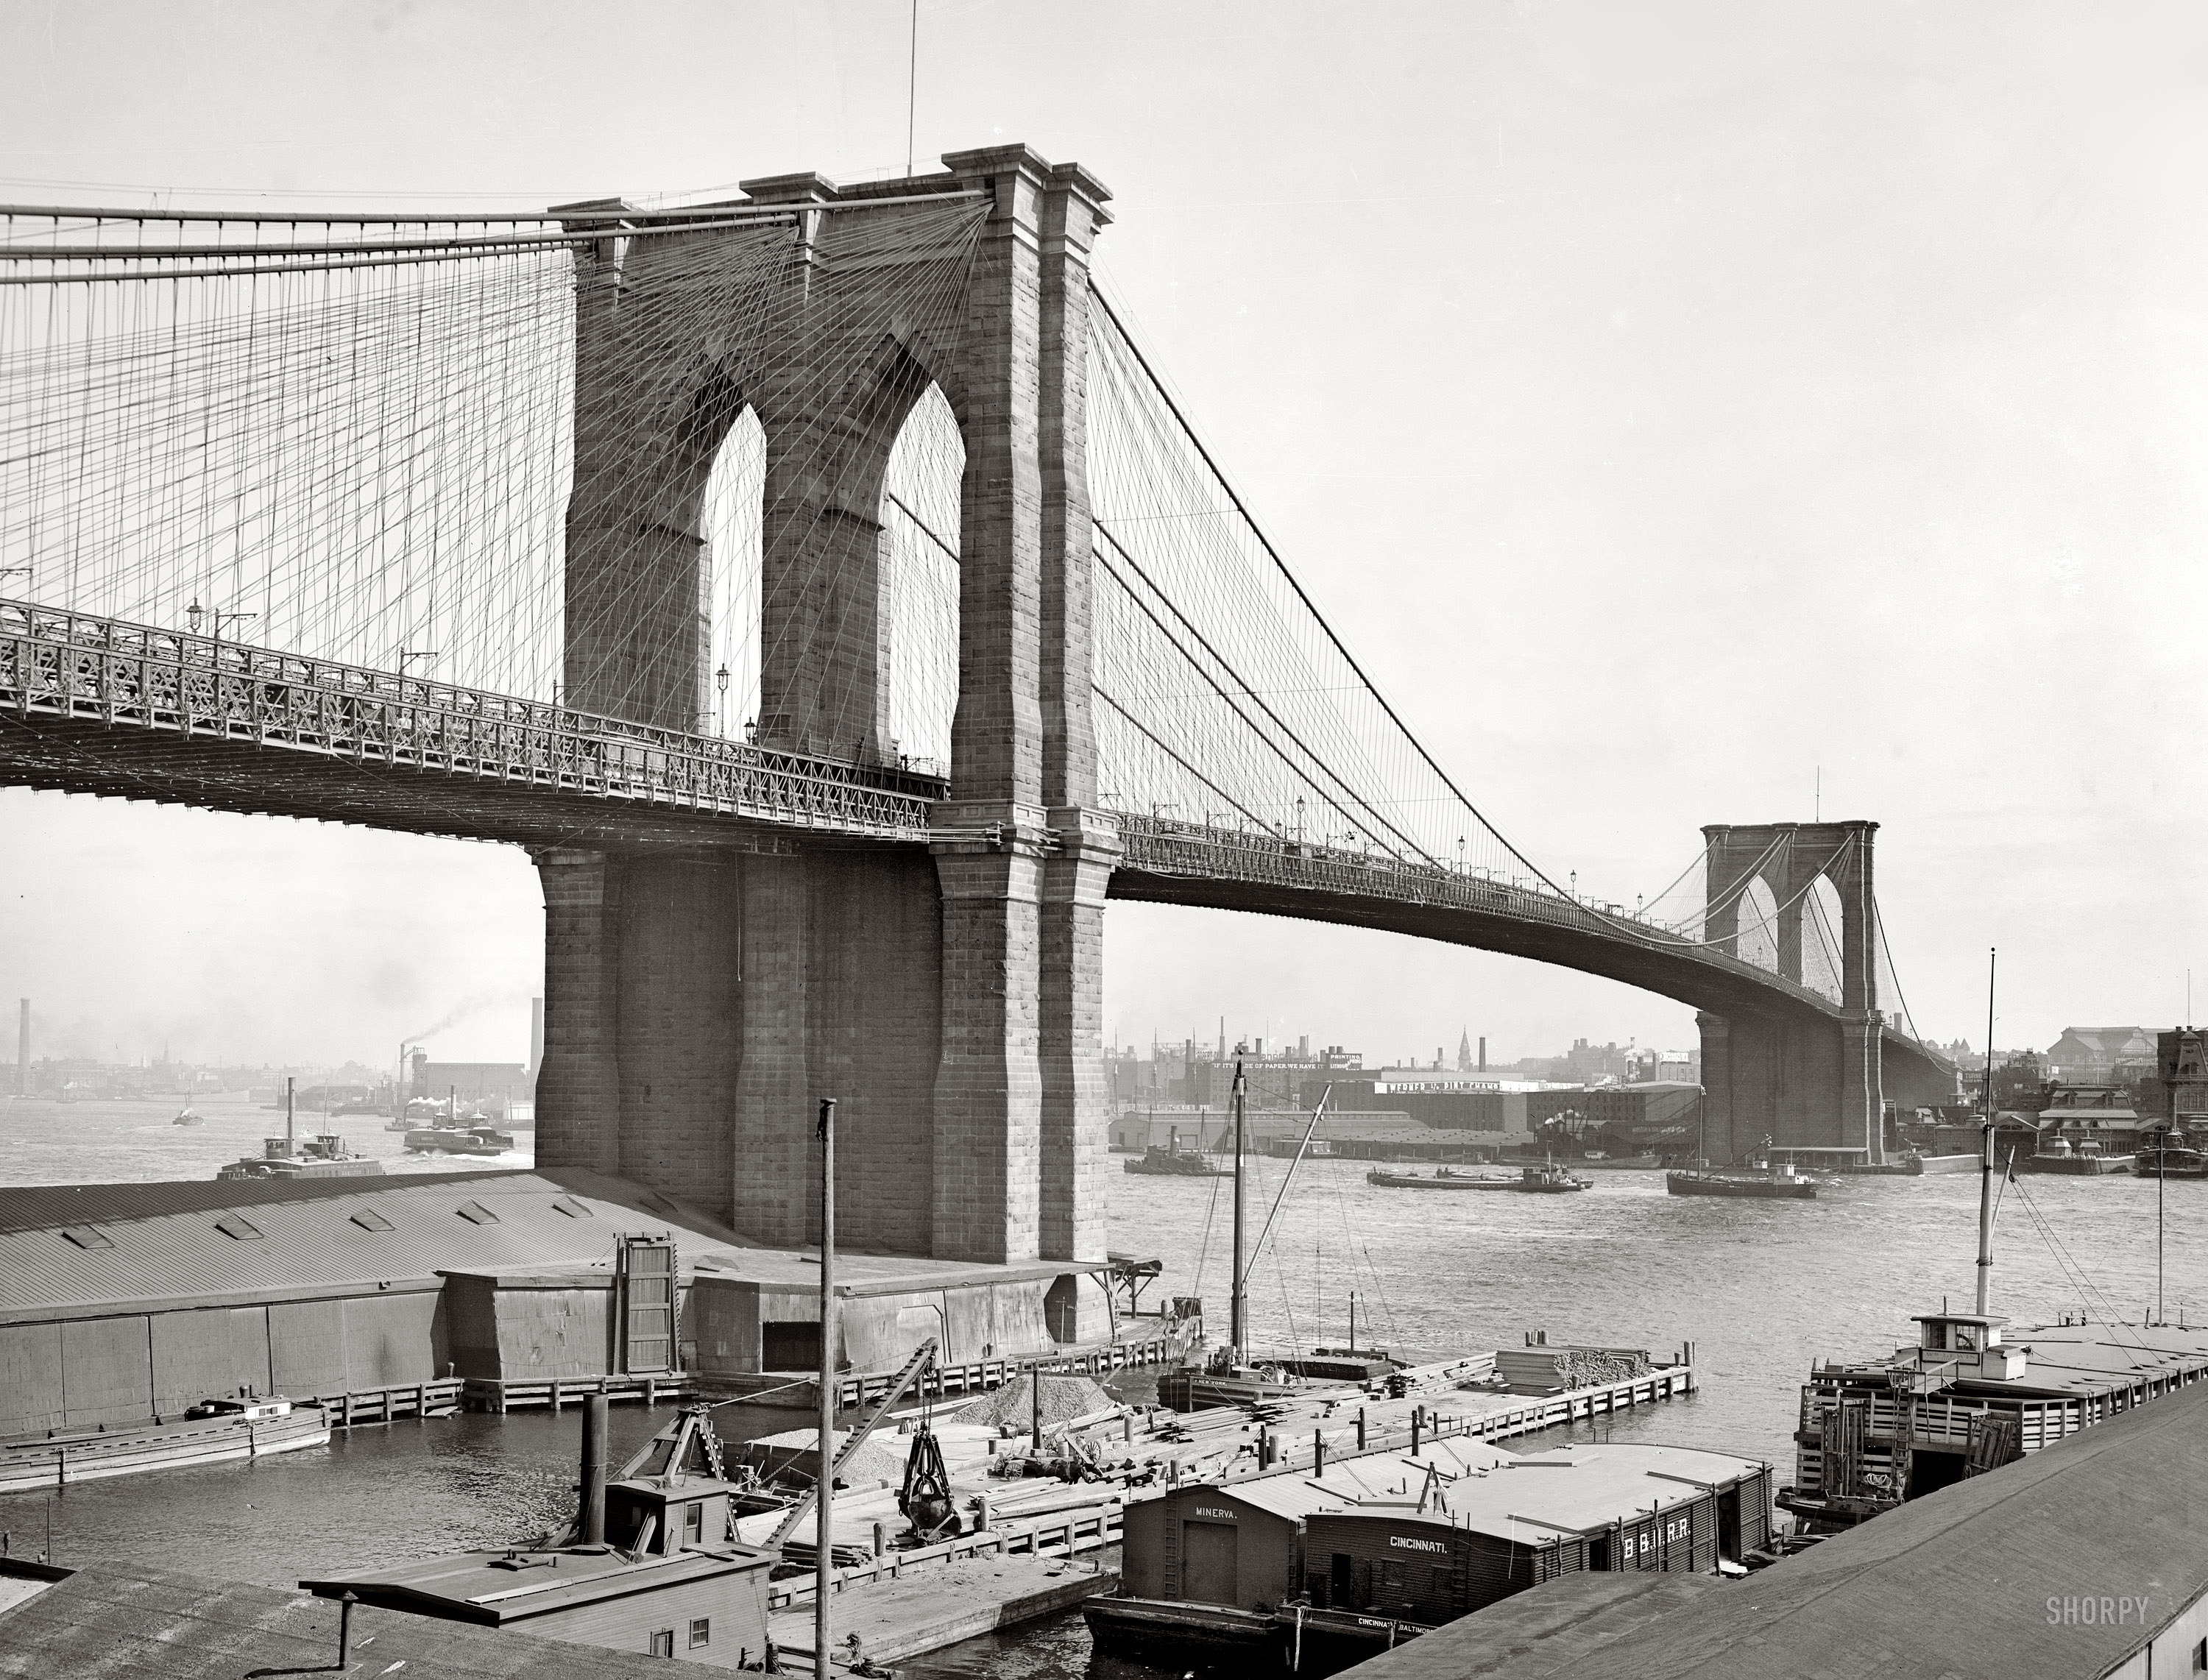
(791, 1454)
(1063, 1399)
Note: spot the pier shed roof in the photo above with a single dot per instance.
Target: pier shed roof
(2071, 1561)
(86, 1249)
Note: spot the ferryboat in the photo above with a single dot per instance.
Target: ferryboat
(323, 1156)
(483, 1139)
(1546, 1179)
(2170, 1153)
(244, 1425)
(2085, 1158)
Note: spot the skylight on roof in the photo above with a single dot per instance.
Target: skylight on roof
(231, 1226)
(574, 1210)
(368, 1219)
(86, 1236)
(476, 1214)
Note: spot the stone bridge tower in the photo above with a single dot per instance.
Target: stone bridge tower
(1806, 1083)
(697, 1005)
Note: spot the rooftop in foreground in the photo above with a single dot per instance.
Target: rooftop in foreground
(1985, 1577)
(158, 1624)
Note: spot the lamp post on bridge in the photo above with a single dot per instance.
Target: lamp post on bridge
(218, 614)
(720, 705)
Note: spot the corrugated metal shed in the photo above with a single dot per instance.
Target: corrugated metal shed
(105, 1624)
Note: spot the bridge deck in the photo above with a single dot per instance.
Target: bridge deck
(97, 705)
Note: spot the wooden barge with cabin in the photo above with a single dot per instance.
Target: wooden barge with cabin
(1323, 1570)
(1972, 1395)
(244, 1427)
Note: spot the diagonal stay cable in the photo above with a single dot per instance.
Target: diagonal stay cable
(1197, 443)
(1249, 689)
(1109, 699)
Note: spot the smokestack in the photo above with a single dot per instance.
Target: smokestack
(23, 1047)
(1482, 1055)
(536, 1036)
(1223, 1038)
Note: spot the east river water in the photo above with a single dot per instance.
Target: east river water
(1762, 1288)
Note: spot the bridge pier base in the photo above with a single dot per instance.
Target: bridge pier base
(579, 1080)
(1802, 1082)
(1076, 1109)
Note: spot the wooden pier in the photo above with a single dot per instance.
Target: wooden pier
(969, 1378)
(904, 1603)
(481, 1394)
(382, 1406)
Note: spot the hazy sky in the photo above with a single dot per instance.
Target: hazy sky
(1664, 399)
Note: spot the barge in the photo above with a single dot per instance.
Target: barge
(1970, 1396)
(1781, 1183)
(1545, 1181)
(1319, 1571)
(244, 1427)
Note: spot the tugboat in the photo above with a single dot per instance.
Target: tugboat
(1546, 1179)
(188, 1115)
(1170, 1161)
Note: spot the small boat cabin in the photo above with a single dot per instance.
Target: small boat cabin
(668, 1583)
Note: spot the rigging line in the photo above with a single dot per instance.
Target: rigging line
(1204, 1251)
(1246, 687)
(1112, 316)
(2075, 1269)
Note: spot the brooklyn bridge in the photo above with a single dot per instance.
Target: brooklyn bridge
(828, 590)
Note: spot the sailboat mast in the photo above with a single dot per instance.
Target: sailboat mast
(1238, 1319)
(1986, 1155)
